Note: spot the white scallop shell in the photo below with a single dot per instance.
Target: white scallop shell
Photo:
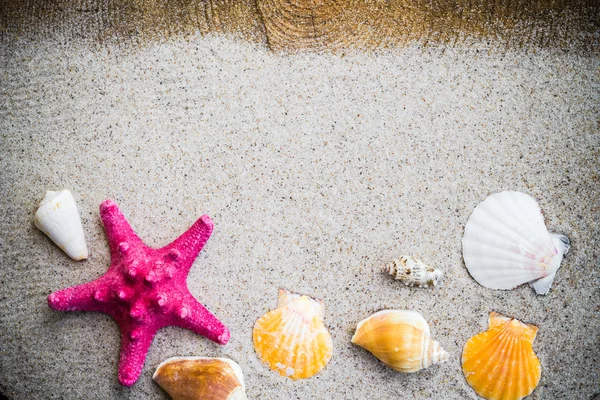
(58, 218)
(506, 244)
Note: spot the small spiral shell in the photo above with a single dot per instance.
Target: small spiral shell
(413, 272)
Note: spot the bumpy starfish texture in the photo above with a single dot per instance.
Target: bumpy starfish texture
(144, 290)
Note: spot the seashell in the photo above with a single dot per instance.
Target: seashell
(400, 339)
(500, 363)
(187, 378)
(506, 244)
(413, 272)
(292, 339)
(58, 217)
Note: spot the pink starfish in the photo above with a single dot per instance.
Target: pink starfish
(144, 289)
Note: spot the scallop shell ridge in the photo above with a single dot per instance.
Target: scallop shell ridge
(506, 243)
(500, 364)
(292, 339)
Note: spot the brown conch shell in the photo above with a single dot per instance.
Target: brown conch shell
(201, 378)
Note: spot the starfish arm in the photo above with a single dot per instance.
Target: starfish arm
(195, 317)
(118, 230)
(135, 343)
(76, 298)
(187, 246)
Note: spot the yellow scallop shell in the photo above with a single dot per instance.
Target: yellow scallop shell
(500, 363)
(292, 339)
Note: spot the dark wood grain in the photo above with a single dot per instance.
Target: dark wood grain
(336, 25)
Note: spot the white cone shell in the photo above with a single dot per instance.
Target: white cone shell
(506, 243)
(58, 217)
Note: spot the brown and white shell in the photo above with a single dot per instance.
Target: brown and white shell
(413, 272)
(195, 378)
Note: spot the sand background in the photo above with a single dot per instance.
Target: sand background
(316, 170)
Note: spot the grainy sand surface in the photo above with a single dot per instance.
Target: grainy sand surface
(316, 170)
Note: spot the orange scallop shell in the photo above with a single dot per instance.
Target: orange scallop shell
(292, 339)
(500, 364)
